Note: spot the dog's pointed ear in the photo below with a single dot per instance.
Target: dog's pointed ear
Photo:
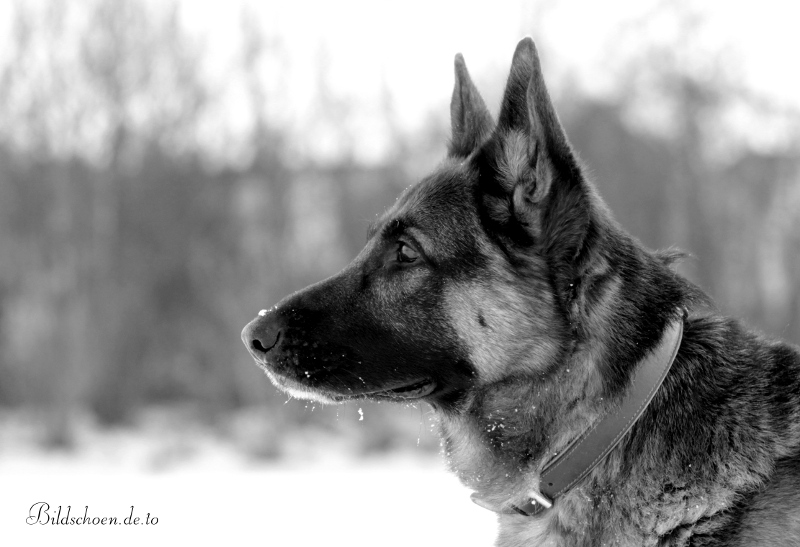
(528, 112)
(470, 120)
(526, 103)
(532, 181)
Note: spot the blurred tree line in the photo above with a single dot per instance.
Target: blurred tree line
(132, 251)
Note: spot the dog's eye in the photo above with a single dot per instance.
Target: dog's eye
(406, 253)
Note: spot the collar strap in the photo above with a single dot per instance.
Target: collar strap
(588, 450)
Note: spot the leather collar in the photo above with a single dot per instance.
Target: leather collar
(588, 450)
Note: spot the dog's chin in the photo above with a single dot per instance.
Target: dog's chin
(299, 391)
(398, 392)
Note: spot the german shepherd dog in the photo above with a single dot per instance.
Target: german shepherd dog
(500, 291)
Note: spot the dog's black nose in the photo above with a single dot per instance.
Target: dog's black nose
(261, 335)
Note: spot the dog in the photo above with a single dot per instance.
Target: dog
(584, 390)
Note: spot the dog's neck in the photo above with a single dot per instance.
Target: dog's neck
(588, 450)
(498, 448)
(521, 448)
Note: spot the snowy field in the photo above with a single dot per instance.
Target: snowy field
(215, 495)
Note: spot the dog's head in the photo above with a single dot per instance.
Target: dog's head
(466, 280)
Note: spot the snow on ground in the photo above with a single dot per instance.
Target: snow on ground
(216, 495)
(388, 502)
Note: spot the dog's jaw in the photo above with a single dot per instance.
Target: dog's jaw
(403, 392)
(299, 391)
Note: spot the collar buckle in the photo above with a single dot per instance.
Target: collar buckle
(536, 503)
(541, 499)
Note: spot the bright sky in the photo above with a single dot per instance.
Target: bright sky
(366, 50)
(408, 47)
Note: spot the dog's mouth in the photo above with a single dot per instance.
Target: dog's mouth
(406, 392)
